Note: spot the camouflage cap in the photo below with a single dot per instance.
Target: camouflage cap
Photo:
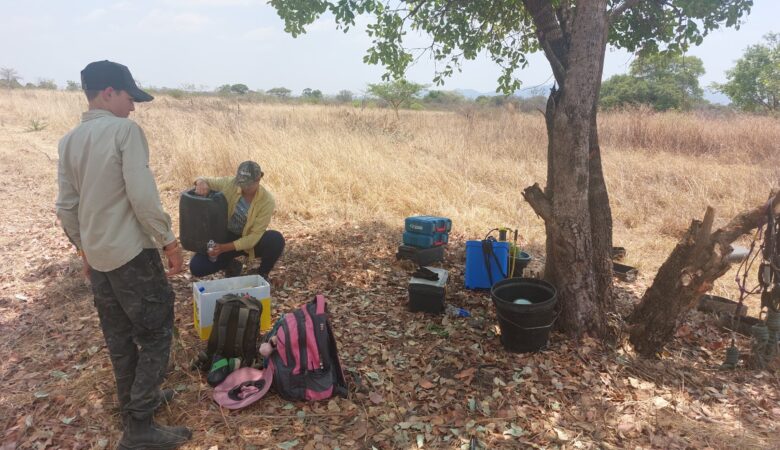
(248, 172)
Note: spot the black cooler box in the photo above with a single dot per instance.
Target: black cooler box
(421, 256)
(428, 295)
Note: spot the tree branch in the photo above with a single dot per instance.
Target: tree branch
(564, 17)
(415, 9)
(539, 202)
(550, 35)
(621, 8)
(748, 220)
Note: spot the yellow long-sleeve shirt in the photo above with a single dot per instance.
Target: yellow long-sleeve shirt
(257, 218)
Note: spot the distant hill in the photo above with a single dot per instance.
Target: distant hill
(471, 94)
(716, 97)
(523, 92)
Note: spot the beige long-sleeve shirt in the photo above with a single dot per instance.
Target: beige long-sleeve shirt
(108, 202)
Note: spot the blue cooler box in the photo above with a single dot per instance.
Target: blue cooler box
(427, 224)
(425, 240)
(477, 276)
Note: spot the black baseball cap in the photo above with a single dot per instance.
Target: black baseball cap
(99, 75)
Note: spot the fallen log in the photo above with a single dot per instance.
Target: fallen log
(701, 257)
(720, 305)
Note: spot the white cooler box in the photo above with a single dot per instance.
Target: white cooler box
(206, 293)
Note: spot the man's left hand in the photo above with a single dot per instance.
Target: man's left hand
(85, 266)
(217, 250)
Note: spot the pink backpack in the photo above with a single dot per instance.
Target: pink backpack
(303, 366)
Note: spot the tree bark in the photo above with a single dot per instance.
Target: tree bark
(695, 263)
(565, 205)
(600, 221)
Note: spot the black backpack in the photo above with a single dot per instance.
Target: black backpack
(236, 328)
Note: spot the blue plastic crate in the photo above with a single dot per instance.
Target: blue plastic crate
(427, 224)
(477, 276)
(425, 240)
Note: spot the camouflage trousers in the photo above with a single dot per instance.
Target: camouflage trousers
(135, 306)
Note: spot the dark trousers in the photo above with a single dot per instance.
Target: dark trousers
(135, 306)
(269, 248)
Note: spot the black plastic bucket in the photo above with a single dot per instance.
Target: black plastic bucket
(524, 327)
(521, 260)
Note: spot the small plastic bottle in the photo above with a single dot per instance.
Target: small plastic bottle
(210, 246)
(454, 311)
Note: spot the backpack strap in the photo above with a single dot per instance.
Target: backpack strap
(300, 321)
(224, 318)
(238, 342)
(315, 354)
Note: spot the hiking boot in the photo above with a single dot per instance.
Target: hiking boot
(233, 269)
(145, 434)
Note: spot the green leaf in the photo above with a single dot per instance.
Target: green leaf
(67, 420)
(287, 445)
(59, 374)
(514, 430)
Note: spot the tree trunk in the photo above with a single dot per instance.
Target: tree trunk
(697, 261)
(600, 221)
(565, 205)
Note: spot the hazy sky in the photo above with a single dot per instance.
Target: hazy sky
(208, 43)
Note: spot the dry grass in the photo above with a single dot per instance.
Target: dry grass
(329, 164)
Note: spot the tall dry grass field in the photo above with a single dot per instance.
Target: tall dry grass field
(329, 165)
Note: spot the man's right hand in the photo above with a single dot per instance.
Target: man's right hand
(201, 187)
(175, 260)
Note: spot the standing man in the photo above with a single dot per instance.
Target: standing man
(110, 209)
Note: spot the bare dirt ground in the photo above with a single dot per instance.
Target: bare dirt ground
(415, 380)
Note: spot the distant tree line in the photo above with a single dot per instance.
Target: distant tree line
(754, 81)
(661, 81)
(671, 81)
(396, 95)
